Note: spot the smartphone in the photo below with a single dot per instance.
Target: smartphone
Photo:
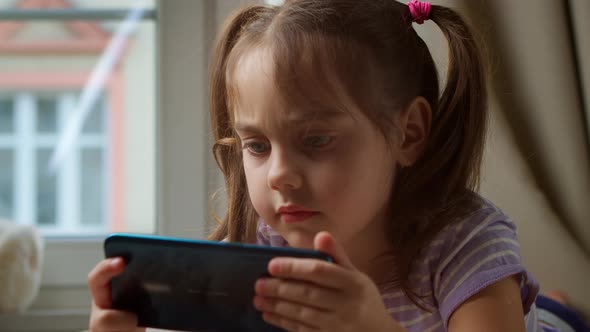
(192, 285)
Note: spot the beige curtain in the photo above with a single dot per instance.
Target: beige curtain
(537, 164)
(536, 80)
(537, 160)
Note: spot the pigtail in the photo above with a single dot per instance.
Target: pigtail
(443, 180)
(438, 189)
(460, 122)
(449, 169)
(239, 225)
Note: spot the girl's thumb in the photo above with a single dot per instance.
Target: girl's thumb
(326, 243)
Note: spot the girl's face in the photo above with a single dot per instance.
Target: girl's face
(309, 171)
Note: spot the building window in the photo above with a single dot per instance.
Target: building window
(80, 92)
(64, 198)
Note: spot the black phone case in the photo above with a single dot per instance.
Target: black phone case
(192, 285)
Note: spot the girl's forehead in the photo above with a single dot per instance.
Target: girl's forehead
(256, 94)
(252, 85)
(254, 63)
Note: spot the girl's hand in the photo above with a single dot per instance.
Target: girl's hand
(102, 318)
(313, 295)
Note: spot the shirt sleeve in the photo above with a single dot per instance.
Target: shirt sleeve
(481, 252)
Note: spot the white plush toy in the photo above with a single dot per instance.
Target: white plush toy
(21, 254)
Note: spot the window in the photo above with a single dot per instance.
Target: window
(77, 138)
(70, 199)
(78, 155)
(163, 182)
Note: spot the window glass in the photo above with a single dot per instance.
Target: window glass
(77, 118)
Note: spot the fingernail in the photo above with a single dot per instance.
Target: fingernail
(259, 286)
(267, 316)
(274, 266)
(115, 261)
(258, 302)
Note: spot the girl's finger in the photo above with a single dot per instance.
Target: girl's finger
(321, 273)
(112, 320)
(99, 280)
(299, 292)
(286, 321)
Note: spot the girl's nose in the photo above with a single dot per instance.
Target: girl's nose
(283, 173)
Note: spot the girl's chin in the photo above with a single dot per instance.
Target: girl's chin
(299, 240)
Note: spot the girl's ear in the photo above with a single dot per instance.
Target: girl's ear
(414, 124)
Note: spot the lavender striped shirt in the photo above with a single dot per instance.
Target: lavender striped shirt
(463, 259)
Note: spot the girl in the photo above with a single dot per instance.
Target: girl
(332, 134)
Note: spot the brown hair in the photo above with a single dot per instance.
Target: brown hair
(366, 52)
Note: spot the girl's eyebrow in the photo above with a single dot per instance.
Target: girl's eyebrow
(297, 118)
(246, 128)
(318, 115)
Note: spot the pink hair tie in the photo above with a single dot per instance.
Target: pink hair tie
(420, 11)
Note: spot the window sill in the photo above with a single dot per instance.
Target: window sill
(61, 320)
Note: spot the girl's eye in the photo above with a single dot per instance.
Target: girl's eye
(317, 141)
(257, 148)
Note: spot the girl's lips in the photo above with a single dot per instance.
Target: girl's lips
(296, 216)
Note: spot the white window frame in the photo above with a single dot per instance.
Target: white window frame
(183, 161)
(26, 140)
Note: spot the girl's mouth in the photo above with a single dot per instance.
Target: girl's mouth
(293, 214)
(299, 216)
